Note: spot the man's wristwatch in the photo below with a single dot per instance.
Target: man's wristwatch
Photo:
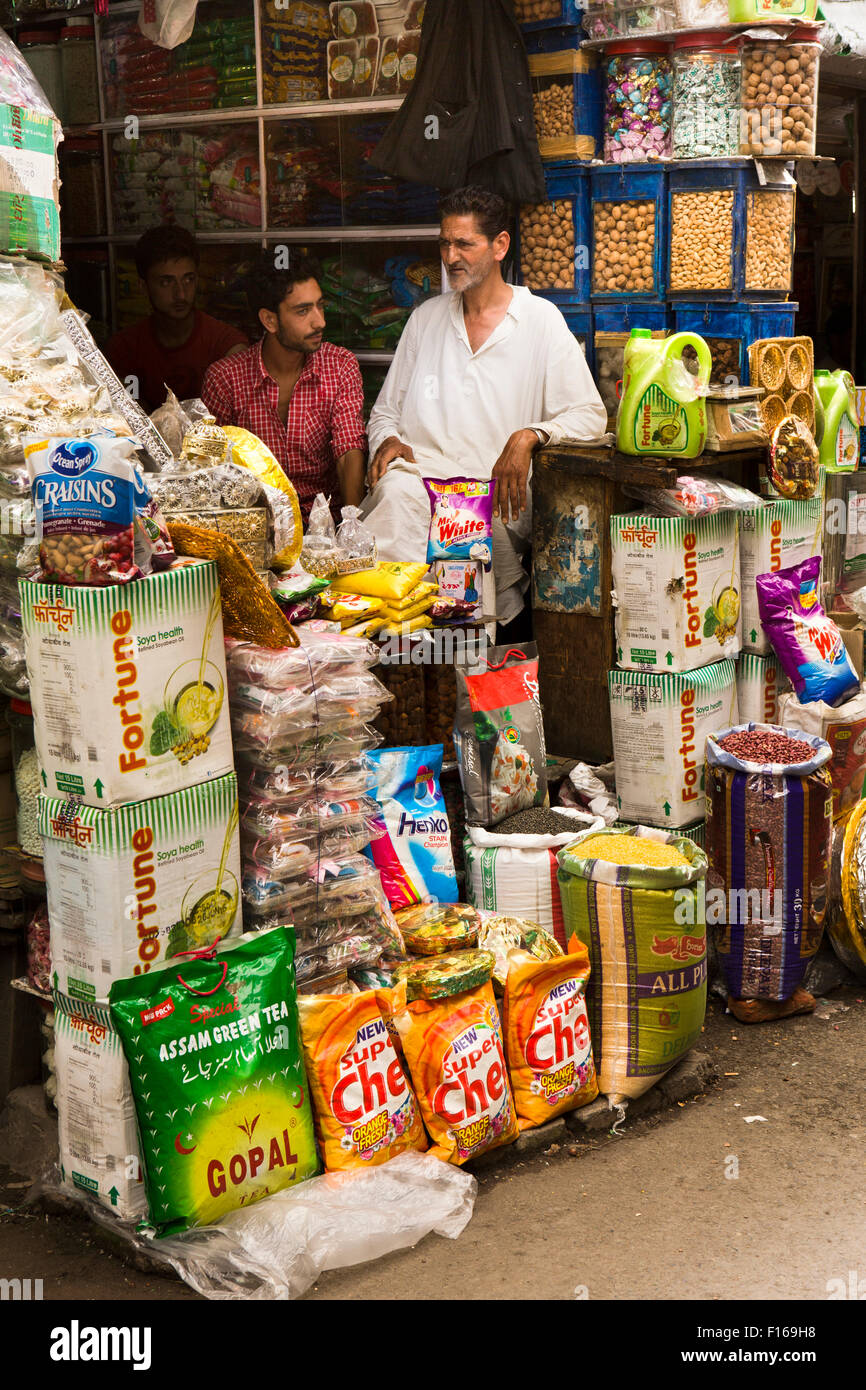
(542, 437)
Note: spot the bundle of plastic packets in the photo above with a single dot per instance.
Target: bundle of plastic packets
(302, 721)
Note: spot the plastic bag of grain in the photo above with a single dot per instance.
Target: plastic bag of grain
(514, 871)
(634, 898)
(769, 825)
(99, 1152)
(844, 728)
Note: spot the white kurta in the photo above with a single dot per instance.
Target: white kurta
(457, 409)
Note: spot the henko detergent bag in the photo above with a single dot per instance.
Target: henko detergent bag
(413, 854)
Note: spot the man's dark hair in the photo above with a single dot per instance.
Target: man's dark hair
(267, 287)
(168, 243)
(489, 210)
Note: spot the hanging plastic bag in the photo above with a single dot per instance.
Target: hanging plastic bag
(499, 735)
(356, 538)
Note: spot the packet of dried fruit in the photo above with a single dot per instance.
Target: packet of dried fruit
(96, 522)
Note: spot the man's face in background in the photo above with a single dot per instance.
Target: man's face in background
(299, 323)
(171, 287)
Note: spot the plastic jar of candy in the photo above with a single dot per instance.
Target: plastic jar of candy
(78, 62)
(637, 103)
(41, 51)
(706, 97)
(779, 94)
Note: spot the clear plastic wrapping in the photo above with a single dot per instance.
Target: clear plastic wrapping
(289, 858)
(319, 654)
(263, 819)
(283, 786)
(301, 708)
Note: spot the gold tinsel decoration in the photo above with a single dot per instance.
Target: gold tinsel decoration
(249, 612)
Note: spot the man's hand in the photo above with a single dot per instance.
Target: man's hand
(510, 473)
(392, 448)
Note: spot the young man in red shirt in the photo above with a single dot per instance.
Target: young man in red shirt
(174, 346)
(301, 396)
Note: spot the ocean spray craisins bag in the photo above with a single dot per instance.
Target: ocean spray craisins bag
(808, 644)
(461, 524)
(221, 1099)
(499, 735)
(413, 853)
(96, 520)
(365, 1110)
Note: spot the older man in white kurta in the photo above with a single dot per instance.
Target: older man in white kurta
(457, 409)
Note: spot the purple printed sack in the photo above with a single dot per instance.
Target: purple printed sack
(808, 644)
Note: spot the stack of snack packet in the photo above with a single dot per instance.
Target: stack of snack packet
(301, 718)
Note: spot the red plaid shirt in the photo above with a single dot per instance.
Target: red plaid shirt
(325, 418)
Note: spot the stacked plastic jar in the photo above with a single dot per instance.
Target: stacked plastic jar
(779, 94)
(637, 109)
(301, 722)
(706, 97)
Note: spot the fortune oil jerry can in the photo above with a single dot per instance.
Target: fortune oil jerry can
(662, 409)
(840, 444)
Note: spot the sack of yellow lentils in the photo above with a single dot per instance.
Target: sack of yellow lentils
(635, 899)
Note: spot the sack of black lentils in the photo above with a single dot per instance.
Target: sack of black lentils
(768, 839)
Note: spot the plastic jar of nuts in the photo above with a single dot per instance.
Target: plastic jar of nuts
(706, 97)
(534, 11)
(779, 94)
(547, 245)
(624, 238)
(702, 240)
(566, 102)
(769, 240)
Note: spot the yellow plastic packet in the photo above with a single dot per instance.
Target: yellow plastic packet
(421, 591)
(248, 451)
(351, 608)
(370, 628)
(401, 629)
(402, 615)
(390, 579)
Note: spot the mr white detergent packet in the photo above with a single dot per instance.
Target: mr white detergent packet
(413, 855)
(132, 887)
(775, 536)
(678, 591)
(660, 726)
(128, 685)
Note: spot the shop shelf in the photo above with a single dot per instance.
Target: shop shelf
(579, 319)
(629, 231)
(730, 328)
(731, 235)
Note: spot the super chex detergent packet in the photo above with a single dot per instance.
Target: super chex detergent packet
(214, 1053)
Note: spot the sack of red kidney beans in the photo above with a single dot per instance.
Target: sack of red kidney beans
(96, 521)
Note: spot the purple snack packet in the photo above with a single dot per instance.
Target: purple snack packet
(808, 644)
(461, 524)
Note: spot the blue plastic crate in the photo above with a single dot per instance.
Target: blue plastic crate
(737, 325)
(578, 75)
(566, 183)
(557, 14)
(625, 186)
(733, 276)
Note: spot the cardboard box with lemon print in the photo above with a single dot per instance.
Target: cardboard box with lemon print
(128, 685)
(678, 593)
